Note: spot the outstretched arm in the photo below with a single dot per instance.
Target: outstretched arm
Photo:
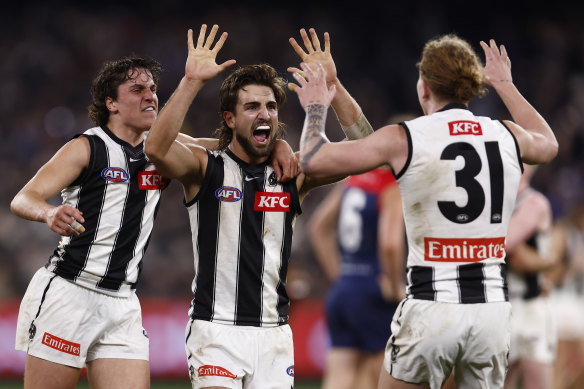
(200, 67)
(320, 159)
(349, 113)
(537, 142)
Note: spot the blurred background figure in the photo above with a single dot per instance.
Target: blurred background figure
(533, 331)
(358, 236)
(567, 298)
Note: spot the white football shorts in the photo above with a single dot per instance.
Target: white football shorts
(71, 325)
(431, 338)
(239, 356)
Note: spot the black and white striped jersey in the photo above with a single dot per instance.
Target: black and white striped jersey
(241, 225)
(119, 194)
(529, 285)
(458, 189)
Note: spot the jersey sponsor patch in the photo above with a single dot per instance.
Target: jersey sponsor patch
(272, 202)
(228, 194)
(63, 345)
(115, 174)
(210, 370)
(463, 249)
(151, 180)
(290, 371)
(465, 127)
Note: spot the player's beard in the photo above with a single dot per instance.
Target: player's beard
(253, 151)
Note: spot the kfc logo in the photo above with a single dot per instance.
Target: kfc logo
(151, 180)
(272, 202)
(465, 127)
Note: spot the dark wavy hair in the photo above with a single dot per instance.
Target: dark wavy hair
(262, 74)
(111, 75)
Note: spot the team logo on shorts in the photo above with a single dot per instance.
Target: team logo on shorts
(290, 371)
(394, 352)
(115, 174)
(228, 194)
(31, 332)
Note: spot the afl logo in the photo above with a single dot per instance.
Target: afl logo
(228, 194)
(290, 371)
(115, 174)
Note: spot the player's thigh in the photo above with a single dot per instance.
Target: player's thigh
(386, 381)
(114, 373)
(42, 374)
(341, 367)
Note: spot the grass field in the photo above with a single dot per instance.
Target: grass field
(161, 385)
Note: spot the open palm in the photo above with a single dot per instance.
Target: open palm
(201, 62)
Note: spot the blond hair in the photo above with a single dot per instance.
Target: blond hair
(452, 69)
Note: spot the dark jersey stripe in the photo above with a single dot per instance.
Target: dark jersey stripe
(251, 250)
(207, 239)
(422, 286)
(91, 199)
(471, 283)
(131, 227)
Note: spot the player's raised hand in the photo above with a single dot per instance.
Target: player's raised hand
(313, 54)
(497, 63)
(312, 88)
(201, 62)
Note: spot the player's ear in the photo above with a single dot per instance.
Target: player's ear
(229, 118)
(111, 104)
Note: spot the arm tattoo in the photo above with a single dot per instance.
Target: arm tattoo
(313, 136)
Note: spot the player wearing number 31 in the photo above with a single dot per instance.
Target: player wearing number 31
(458, 176)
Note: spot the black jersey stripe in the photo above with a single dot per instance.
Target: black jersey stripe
(251, 250)
(471, 283)
(91, 199)
(129, 232)
(422, 283)
(207, 240)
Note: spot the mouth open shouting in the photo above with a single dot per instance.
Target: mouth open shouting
(262, 134)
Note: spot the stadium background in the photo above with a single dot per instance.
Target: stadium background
(51, 50)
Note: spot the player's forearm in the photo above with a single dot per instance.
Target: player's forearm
(167, 125)
(313, 135)
(30, 206)
(350, 114)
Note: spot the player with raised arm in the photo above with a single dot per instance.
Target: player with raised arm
(241, 220)
(458, 176)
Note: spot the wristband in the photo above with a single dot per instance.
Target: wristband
(360, 129)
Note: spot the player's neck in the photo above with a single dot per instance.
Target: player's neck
(131, 135)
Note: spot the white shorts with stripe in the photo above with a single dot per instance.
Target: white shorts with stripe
(239, 356)
(431, 338)
(71, 325)
(533, 331)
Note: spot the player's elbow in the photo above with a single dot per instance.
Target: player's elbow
(153, 151)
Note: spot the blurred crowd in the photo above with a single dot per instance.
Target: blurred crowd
(51, 52)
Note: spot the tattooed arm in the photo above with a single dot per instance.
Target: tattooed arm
(324, 162)
(313, 136)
